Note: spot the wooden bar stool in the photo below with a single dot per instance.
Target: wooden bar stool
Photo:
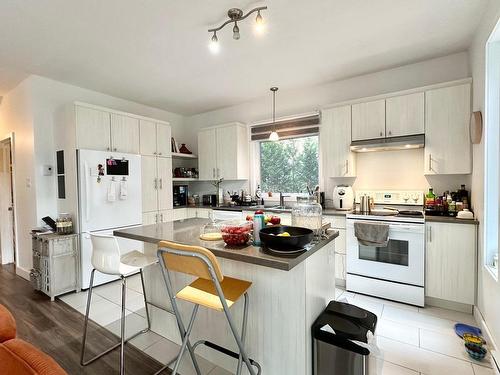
(213, 290)
(107, 259)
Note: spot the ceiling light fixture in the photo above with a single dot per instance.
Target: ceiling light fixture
(274, 136)
(214, 44)
(236, 15)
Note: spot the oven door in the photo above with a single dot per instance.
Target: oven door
(402, 260)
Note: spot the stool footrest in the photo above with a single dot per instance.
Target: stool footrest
(224, 351)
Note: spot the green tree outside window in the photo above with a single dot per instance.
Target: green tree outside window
(289, 165)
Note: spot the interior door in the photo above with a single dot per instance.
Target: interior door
(149, 184)
(125, 134)
(164, 139)
(165, 192)
(207, 154)
(6, 206)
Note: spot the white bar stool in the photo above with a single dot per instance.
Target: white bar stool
(107, 259)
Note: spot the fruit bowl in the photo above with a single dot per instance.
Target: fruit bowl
(236, 233)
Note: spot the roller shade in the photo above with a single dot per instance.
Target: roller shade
(286, 128)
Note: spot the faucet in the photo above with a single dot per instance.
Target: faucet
(282, 199)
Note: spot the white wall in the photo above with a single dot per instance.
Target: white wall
(16, 116)
(30, 111)
(309, 99)
(488, 298)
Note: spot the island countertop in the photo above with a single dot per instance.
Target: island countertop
(188, 232)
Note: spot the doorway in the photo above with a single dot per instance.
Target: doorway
(7, 227)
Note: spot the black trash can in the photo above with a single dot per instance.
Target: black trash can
(334, 333)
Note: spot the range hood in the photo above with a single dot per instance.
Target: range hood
(389, 144)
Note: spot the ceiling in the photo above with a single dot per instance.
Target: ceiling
(155, 51)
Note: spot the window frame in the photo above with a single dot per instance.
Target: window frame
(256, 173)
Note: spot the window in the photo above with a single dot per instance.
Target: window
(289, 165)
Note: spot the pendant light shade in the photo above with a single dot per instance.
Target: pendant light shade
(274, 136)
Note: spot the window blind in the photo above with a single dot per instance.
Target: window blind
(287, 128)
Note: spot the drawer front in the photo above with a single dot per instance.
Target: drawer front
(63, 246)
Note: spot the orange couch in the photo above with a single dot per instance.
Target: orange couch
(17, 357)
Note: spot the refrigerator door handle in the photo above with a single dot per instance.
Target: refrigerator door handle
(87, 206)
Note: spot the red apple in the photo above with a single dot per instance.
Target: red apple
(259, 212)
(275, 220)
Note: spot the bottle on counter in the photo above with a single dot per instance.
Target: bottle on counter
(258, 224)
(430, 202)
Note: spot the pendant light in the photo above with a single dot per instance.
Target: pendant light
(274, 134)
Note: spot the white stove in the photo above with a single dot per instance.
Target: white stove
(394, 271)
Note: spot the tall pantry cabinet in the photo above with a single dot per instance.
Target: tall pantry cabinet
(157, 194)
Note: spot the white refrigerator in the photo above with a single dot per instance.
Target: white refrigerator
(109, 198)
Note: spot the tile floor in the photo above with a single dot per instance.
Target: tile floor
(410, 340)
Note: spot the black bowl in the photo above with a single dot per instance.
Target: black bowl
(299, 237)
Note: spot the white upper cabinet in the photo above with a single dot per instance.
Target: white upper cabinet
(337, 160)
(101, 130)
(207, 154)
(163, 139)
(405, 115)
(124, 134)
(447, 141)
(223, 153)
(232, 153)
(155, 138)
(93, 129)
(148, 137)
(450, 265)
(368, 120)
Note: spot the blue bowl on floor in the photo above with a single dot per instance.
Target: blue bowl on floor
(475, 351)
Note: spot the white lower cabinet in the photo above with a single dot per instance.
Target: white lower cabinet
(155, 217)
(338, 223)
(450, 265)
(180, 214)
(339, 268)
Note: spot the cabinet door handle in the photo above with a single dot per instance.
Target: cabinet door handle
(159, 153)
(213, 172)
(347, 166)
(390, 133)
(114, 149)
(156, 218)
(108, 149)
(161, 183)
(430, 234)
(155, 153)
(156, 184)
(161, 218)
(381, 134)
(430, 162)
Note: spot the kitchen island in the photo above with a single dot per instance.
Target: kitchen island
(286, 296)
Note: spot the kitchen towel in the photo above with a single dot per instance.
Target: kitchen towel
(123, 190)
(112, 191)
(372, 234)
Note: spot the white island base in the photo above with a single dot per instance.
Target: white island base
(282, 307)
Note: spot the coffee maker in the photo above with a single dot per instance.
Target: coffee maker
(180, 195)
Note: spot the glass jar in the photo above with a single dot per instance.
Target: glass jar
(307, 213)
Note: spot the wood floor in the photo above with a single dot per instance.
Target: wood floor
(56, 328)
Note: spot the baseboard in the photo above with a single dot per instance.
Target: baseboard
(449, 305)
(495, 355)
(24, 273)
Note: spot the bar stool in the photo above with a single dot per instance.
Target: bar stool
(107, 259)
(211, 289)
